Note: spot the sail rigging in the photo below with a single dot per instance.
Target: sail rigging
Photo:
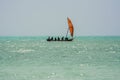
(71, 28)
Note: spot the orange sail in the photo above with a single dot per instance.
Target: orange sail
(71, 28)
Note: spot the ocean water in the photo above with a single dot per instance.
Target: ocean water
(85, 58)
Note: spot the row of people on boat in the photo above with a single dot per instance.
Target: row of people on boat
(57, 38)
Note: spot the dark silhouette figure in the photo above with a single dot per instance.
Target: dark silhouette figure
(55, 39)
(66, 39)
(58, 39)
(48, 38)
(62, 38)
(51, 38)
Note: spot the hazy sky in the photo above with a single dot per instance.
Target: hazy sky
(49, 17)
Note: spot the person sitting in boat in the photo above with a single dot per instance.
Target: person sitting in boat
(48, 38)
(62, 38)
(66, 39)
(55, 39)
(51, 38)
(58, 39)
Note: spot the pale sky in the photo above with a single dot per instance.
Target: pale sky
(49, 17)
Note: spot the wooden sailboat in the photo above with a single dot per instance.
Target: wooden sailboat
(70, 29)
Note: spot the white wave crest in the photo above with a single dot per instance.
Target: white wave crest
(24, 50)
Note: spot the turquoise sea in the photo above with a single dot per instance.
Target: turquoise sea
(85, 58)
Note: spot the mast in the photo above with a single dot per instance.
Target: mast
(67, 32)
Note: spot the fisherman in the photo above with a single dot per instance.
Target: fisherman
(58, 39)
(48, 38)
(51, 38)
(62, 38)
(55, 39)
(66, 39)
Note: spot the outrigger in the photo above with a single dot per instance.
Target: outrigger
(70, 28)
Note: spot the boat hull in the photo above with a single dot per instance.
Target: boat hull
(60, 40)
